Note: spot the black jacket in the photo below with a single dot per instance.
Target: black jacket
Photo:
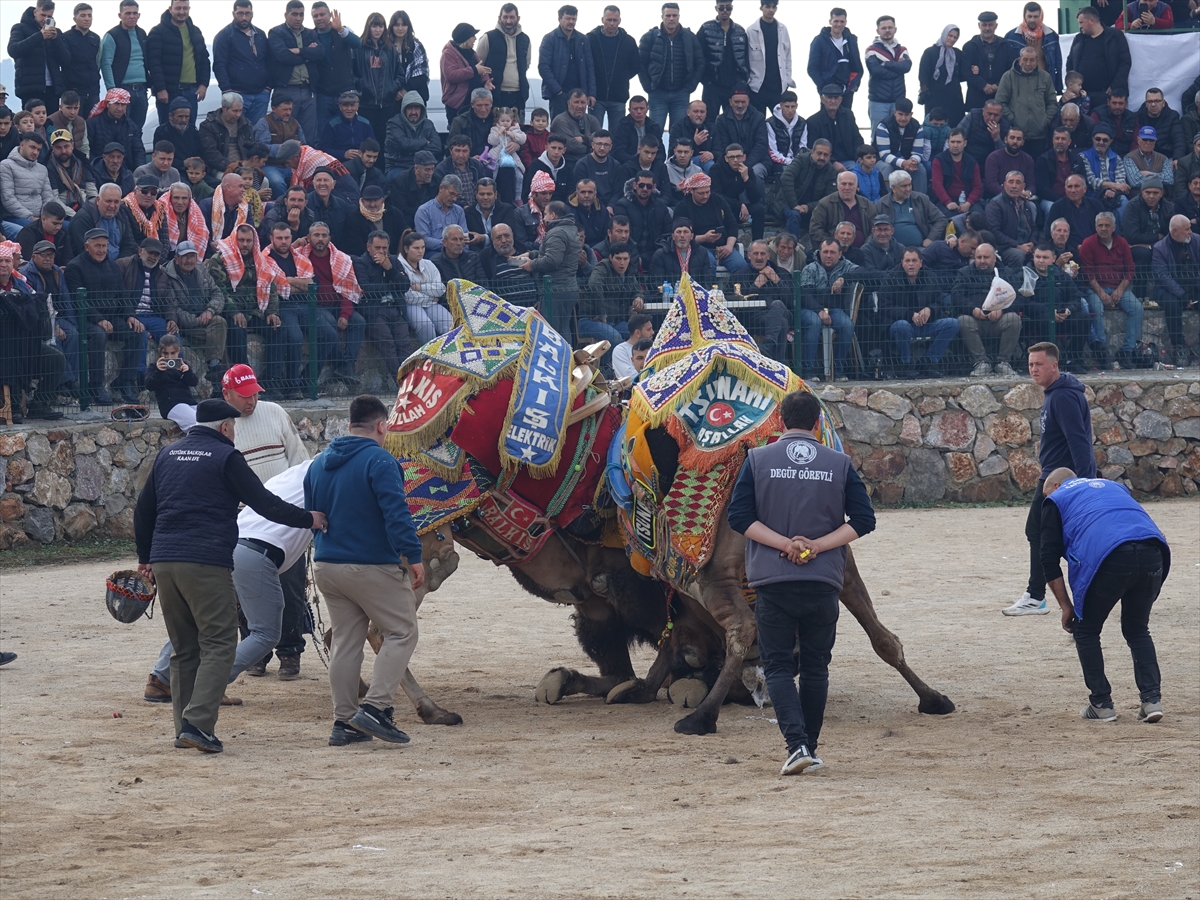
(278, 213)
(380, 286)
(729, 184)
(841, 131)
(563, 185)
(81, 71)
(685, 127)
(465, 265)
(220, 148)
(378, 76)
(171, 387)
(407, 196)
(33, 55)
(976, 53)
(237, 68)
(609, 296)
(625, 139)
(803, 183)
(497, 59)
(28, 236)
(1103, 61)
(680, 69)
(1082, 219)
(164, 54)
(106, 298)
(712, 40)
(282, 61)
(1172, 142)
(647, 224)
(750, 131)
(979, 141)
(715, 215)
(902, 298)
(334, 73)
(612, 77)
(1136, 224)
(664, 265)
(353, 237)
(104, 129)
(1004, 218)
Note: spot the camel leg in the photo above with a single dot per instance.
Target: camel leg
(857, 599)
(602, 637)
(645, 690)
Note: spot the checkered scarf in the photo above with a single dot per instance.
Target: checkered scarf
(114, 95)
(149, 224)
(218, 213)
(197, 231)
(310, 161)
(345, 282)
(268, 271)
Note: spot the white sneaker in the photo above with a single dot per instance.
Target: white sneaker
(981, 370)
(818, 763)
(1004, 370)
(798, 760)
(1027, 606)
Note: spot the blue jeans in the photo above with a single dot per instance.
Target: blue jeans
(279, 179)
(69, 347)
(188, 93)
(784, 610)
(669, 104)
(614, 109)
(1128, 304)
(328, 340)
(943, 331)
(291, 342)
(1132, 574)
(139, 106)
(877, 112)
(595, 330)
(256, 106)
(843, 330)
(795, 223)
(734, 262)
(12, 227)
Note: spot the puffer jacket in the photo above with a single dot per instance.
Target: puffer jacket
(164, 54)
(104, 129)
(404, 139)
(559, 258)
(653, 51)
(712, 40)
(1029, 100)
(81, 73)
(828, 65)
(784, 139)
(887, 68)
(221, 149)
(33, 55)
(557, 53)
(378, 76)
(24, 186)
(750, 131)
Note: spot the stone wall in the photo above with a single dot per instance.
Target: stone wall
(978, 441)
(913, 442)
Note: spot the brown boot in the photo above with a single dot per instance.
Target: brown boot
(156, 691)
(289, 668)
(231, 701)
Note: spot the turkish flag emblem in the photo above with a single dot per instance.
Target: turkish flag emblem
(719, 414)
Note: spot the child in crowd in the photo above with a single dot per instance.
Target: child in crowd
(537, 133)
(194, 170)
(507, 137)
(1075, 93)
(870, 183)
(937, 131)
(253, 198)
(365, 170)
(172, 381)
(256, 161)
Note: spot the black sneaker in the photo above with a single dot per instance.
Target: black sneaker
(191, 736)
(798, 760)
(6, 657)
(930, 370)
(377, 722)
(343, 734)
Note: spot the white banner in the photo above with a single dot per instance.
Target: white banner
(1167, 61)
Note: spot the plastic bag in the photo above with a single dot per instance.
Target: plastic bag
(1001, 296)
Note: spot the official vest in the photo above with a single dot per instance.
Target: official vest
(197, 511)
(1098, 516)
(799, 489)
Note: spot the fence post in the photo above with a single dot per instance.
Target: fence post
(1050, 298)
(314, 360)
(548, 304)
(85, 392)
(797, 330)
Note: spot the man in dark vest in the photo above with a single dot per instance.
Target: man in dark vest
(505, 50)
(785, 491)
(1115, 552)
(123, 62)
(185, 542)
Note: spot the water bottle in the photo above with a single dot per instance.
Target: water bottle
(962, 197)
(667, 292)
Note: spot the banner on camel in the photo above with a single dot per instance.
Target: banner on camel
(541, 397)
(724, 408)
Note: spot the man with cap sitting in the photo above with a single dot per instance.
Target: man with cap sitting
(185, 542)
(110, 168)
(194, 304)
(372, 214)
(71, 178)
(141, 205)
(1143, 161)
(110, 312)
(342, 135)
(325, 205)
(1146, 221)
(384, 283)
(837, 125)
(744, 125)
(142, 280)
(415, 186)
(45, 277)
(25, 355)
(1104, 171)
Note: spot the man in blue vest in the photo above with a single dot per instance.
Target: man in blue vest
(186, 528)
(796, 486)
(1114, 552)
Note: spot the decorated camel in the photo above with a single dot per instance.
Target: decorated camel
(515, 447)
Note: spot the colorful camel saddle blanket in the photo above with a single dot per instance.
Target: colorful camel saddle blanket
(492, 340)
(432, 500)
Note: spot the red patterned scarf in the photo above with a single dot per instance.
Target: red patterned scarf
(266, 269)
(218, 213)
(310, 161)
(149, 224)
(197, 231)
(345, 282)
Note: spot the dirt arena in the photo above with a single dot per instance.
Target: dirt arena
(1011, 796)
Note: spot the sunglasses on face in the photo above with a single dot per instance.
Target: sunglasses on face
(724, 7)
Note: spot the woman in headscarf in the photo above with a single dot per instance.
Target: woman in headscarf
(942, 76)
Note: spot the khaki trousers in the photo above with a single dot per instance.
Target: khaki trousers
(199, 607)
(973, 331)
(356, 596)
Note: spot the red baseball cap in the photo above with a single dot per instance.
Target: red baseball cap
(241, 380)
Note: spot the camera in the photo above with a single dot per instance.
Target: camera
(173, 363)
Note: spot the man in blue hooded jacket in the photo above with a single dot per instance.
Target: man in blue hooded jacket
(368, 565)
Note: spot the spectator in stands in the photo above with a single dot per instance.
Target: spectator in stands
(1177, 282)
(615, 60)
(600, 168)
(1104, 171)
(956, 180)
(761, 281)
(743, 125)
(648, 215)
(1079, 126)
(614, 292)
(335, 68)
(1121, 122)
(882, 252)
(647, 159)
(887, 63)
(1044, 285)
(293, 211)
(726, 56)
(439, 212)
(784, 256)
(142, 279)
(366, 170)
(846, 234)
(108, 214)
(986, 58)
(810, 177)
(1145, 222)
(1064, 244)
(827, 289)
(715, 224)
(785, 132)
(557, 256)
(502, 271)
(275, 129)
(294, 63)
(736, 183)
(1100, 54)
(505, 140)
(458, 162)
(1156, 113)
(918, 307)
(1106, 267)
(325, 205)
(1033, 32)
(942, 74)
(45, 277)
(618, 233)
(474, 122)
(678, 253)
(641, 329)
(947, 257)
(553, 162)
(770, 51)
(239, 60)
(487, 212)
(984, 130)
(1073, 92)
(1077, 209)
(530, 221)
(631, 130)
(226, 208)
(971, 288)
(294, 277)
(27, 356)
(343, 133)
(251, 303)
(589, 213)
(1012, 220)
(68, 117)
(195, 171)
(577, 126)
(372, 214)
(1190, 123)
(846, 205)
(1146, 15)
(1189, 204)
(416, 186)
(177, 59)
(48, 228)
(337, 295)
(384, 285)
(194, 305)
(1000, 162)
(680, 167)
(426, 316)
(836, 125)
(24, 184)
(901, 145)
(917, 221)
(1189, 166)
(379, 80)
(142, 206)
(111, 310)
(1053, 168)
(565, 64)
(700, 129)
(1028, 101)
(305, 162)
(39, 52)
(409, 133)
(81, 72)
(454, 260)
(672, 65)
(833, 58)
(504, 52)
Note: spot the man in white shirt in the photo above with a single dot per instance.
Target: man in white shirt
(640, 328)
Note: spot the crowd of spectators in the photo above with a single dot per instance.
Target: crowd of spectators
(322, 169)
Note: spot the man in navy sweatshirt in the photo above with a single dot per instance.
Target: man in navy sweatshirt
(368, 565)
(1066, 443)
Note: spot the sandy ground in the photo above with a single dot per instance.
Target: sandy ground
(1011, 796)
